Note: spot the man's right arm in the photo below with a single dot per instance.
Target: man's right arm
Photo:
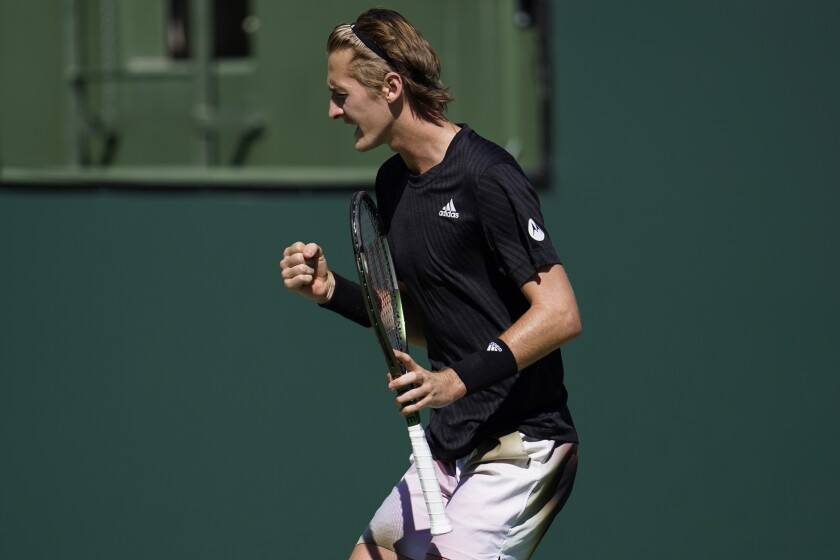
(305, 271)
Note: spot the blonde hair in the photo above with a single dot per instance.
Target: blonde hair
(383, 41)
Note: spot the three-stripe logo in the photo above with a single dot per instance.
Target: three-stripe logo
(449, 211)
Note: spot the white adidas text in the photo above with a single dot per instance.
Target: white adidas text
(449, 211)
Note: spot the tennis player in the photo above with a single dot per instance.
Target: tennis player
(485, 294)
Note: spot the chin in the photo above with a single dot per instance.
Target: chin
(362, 146)
(369, 141)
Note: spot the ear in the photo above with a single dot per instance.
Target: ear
(392, 88)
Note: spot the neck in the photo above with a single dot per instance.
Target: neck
(422, 144)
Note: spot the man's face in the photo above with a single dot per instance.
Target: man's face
(356, 104)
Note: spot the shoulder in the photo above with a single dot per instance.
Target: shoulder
(485, 162)
(482, 153)
(498, 183)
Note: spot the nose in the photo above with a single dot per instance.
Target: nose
(335, 111)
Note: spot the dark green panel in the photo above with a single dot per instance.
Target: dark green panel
(164, 397)
(697, 199)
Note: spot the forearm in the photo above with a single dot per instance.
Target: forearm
(551, 319)
(541, 331)
(346, 299)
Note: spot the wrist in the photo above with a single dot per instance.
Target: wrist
(486, 367)
(457, 387)
(330, 290)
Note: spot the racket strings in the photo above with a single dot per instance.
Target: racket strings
(381, 279)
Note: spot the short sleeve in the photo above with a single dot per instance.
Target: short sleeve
(513, 222)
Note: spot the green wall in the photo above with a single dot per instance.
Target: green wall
(698, 200)
(162, 396)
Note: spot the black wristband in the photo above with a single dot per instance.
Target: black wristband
(486, 367)
(347, 301)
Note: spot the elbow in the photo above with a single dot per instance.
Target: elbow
(574, 327)
(569, 326)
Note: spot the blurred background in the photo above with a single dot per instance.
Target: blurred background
(161, 396)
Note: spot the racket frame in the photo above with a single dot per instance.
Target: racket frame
(394, 366)
(423, 460)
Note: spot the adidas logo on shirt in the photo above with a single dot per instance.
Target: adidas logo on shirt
(449, 211)
(494, 347)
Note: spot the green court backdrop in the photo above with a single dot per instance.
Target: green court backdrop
(161, 396)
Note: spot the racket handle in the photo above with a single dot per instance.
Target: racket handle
(425, 465)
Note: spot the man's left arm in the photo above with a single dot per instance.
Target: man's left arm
(551, 320)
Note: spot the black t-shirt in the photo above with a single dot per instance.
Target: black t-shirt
(465, 236)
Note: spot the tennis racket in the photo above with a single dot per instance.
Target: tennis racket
(379, 287)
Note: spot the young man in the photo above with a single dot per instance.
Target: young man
(485, 293)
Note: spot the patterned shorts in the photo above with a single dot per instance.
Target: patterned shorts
(500, 499)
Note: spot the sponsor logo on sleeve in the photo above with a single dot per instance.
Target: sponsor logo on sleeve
(535, 231)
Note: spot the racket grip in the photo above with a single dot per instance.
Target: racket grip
(425, 465)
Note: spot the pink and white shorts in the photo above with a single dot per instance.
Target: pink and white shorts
(500, 499)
